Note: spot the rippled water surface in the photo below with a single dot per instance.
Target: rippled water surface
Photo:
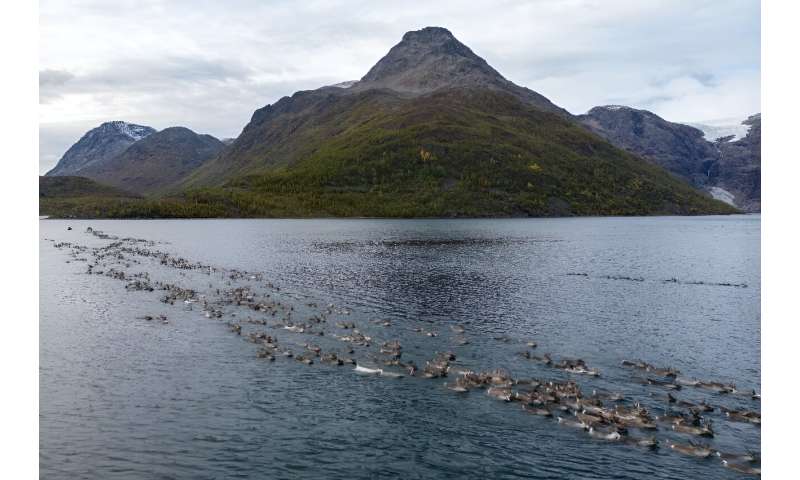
(122, 397)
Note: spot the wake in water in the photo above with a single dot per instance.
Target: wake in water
(669, 280)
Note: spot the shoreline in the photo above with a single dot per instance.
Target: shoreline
(51, 217)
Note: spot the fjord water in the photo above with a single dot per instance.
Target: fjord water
(121, 397)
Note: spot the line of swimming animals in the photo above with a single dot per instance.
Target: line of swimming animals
(600, 415)
(668, 280)
(604, 416)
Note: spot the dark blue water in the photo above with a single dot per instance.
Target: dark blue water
(122, 397)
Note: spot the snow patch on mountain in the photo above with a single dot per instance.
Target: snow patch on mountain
(714, 129)
(130, 130)
(722, 195)
(346, 84)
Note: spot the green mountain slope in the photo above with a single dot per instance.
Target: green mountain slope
(74, 196)
(69, 187)
(456, 152)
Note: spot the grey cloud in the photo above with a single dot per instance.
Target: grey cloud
(48, 78)
(176, 69)
(707, 79)
(148, 74)
(649, 102)
(50, 83)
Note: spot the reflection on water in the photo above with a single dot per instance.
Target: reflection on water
(124, 397)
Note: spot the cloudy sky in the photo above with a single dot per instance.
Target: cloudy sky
(207, 65)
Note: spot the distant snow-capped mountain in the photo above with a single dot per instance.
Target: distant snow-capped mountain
(99, 145)
(136, 158)
(728, 170)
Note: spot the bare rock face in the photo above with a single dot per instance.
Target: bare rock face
(98, 146)
(728, 170)
(427, 60)
(738, 169)
(431, 59)
(681, 149)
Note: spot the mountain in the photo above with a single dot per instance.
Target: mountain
(681, 149)
(728, 170)
(432, 130)
(738, 170)
(157, 161)
(98, 146)
(431, 59)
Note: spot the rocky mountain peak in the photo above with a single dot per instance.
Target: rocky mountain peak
(428, 59)
(620, 111)
(130, 130)
(99, 145)
(435, 41)
(432, 59)
(429, 34)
